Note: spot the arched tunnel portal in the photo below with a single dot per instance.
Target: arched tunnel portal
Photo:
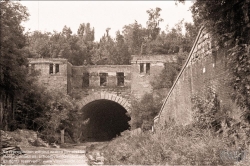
(104, 119)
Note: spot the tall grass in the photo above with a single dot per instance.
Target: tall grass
(174, 146)
(219, 135)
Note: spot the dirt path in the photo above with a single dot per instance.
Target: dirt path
(81, 154)
(47, 156)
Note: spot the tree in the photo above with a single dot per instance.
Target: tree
(13, 62)
(166, 77)
(121, 57)
(56, 118)
(134, 36)
(144, 111)
(173, 41)
(85, 44)
(66, 32)
(39, 44)
(86, 32)
(153, 23)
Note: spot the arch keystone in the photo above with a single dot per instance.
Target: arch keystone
(97, 96)
(102, 96)
(106, 96)
(110, 96)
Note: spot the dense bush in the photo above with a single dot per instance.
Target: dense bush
(217, 131)
(229, 24)
(174, 145)
(228, 121)
(144, 111)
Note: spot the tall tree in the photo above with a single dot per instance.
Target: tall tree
(66, 32)
(134, 35)
(121, 56)
(39, 44)
(13, 56)
(153, 23)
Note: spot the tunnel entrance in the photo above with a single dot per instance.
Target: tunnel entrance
(107, 119)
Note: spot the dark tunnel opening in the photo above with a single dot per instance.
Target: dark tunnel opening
(107, 119)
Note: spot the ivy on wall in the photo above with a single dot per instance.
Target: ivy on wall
(229, 22)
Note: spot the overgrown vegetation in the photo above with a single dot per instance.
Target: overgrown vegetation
(219, 135)
(133, 39)
(168, 75)
(144, 110)
(216, 127)
(26, 105)
(229, 22)
(175, 146)
(48, 112)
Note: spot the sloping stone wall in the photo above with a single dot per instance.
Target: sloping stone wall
(205, 68)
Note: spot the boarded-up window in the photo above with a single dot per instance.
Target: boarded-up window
(85, 80)
(141, 67)
(103, 79)
(57, 68)
(50, 68)
(32, 68)
(148, 68)
(120, 79)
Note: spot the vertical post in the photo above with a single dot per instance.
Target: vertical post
(54, 68)
(144, 67)
(29, 68)
(62, 136)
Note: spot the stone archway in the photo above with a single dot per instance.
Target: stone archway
(106, 96)
(107, 115)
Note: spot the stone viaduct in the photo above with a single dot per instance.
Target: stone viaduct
(102, 87)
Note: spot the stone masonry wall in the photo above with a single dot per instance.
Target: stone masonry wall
(72, 79)
(53, 79)
(80, 92)
(205, 68)
(140, 82)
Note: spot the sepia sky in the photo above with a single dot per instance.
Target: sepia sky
(53, 15)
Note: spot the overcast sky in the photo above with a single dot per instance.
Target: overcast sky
(53, 15)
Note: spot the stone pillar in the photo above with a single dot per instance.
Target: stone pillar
(62, 136)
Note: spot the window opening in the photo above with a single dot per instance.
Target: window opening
(141, 67)
(120, 79)
(50, 68)
(148, 68)
(103, 79)
(57, 68)
(85, 80)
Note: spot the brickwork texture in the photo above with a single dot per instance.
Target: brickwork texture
(205, 68)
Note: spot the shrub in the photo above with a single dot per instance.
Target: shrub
(217, 131)
(175, 145)
(205, 110)
(144, 111)
(228, 121)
